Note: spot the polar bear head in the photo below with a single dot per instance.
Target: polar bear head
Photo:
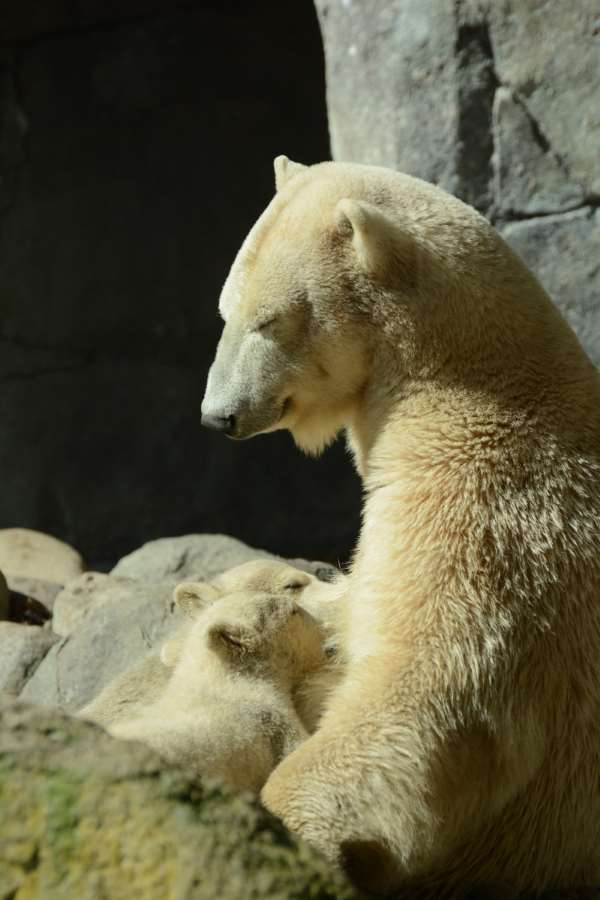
(251, 619)
(295, 351)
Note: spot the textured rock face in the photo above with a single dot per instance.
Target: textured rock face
(497, 103)
(22, 649)
(109, 624)
(136, 148)
(199, 557)
(564, 251)
(83, 815)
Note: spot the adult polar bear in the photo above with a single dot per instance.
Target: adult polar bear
(462, 745)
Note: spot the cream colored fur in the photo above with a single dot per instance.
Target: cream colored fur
(145, 680)
(121, 699)
(239, 679)
(462, 746)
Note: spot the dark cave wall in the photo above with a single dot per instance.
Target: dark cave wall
(136, 150)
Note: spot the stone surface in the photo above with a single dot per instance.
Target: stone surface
(495, 102)
(32, 554)
(558, 75)
(189, 557)
(90, 592)
(134, 157)
(199, 557)
(118, 621)
(564, 251)
(530, 178)
(4, 598)
(22, 649)
(378, 55)
(44, 592)
(85, 816)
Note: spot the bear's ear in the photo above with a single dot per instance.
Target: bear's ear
(285, 169)
(381, 247)
(191, 597)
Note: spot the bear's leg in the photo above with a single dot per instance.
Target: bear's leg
(340, 791)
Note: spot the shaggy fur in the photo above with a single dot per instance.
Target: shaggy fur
(462, 746)
(236, 684)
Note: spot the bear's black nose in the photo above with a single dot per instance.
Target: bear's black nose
(225, 424)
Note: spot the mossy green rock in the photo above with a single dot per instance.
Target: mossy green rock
(86, 817)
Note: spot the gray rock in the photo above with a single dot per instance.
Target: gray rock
(411, 85)
(45, 592)
(119, 622)
(87, 816)
(4, 599)
(564, 251)
(90, 592)
(33, 554)
(199, 557)
(22, 649)
(391, 87)
(497, 103)
(530, 178)
(190, 557)
(558, 75)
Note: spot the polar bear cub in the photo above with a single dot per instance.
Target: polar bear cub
(144, 681)
(228, 707)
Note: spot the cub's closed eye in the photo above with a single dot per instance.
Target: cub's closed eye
(263, 326)
(293, 586)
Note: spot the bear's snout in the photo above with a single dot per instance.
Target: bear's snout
(224, 424)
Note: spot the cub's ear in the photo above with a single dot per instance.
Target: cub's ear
(381, 247)
(193, 596)
(285, 169)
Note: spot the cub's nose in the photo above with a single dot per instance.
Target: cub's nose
(224, 424)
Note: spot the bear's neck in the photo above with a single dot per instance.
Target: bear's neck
(544, 388)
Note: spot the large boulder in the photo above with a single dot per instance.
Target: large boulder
(564, 250)
(199, 557)
(84, 815)
(33, 554)
(497, 103)
(186, 558)
(22, 649)
(109, 625)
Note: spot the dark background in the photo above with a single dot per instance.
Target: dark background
(136, 149)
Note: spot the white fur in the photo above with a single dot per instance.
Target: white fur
(239, 681)
(463, 744)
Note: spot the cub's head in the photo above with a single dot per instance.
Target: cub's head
(251, 618)
(295, 352)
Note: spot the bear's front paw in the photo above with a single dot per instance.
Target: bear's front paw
(277, 791)
(298, 794)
